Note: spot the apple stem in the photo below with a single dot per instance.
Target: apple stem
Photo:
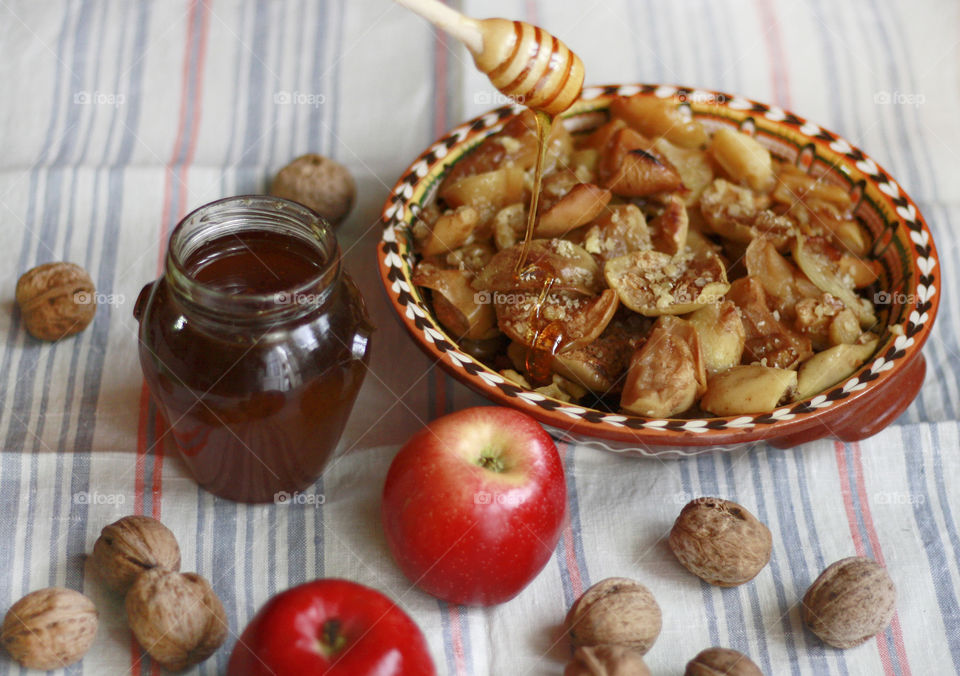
(491, 463)
(331, 640)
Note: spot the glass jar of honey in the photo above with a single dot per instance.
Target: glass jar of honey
(254, 344)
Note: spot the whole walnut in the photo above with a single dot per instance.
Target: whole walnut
(176, 617)
(318, 182)
(132, 545)
(49, 628)
(852, 600)
(56, 300)
(720, 542)
(721, 662)
(606, 660)
(615, 611)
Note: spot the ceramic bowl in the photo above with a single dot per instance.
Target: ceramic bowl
(854, 409)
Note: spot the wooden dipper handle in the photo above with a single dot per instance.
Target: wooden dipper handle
(524, 62)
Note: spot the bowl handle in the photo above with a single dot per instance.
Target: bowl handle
(873, 413)
(870, 414)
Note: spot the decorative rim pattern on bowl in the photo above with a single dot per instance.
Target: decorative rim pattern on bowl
(903, 226)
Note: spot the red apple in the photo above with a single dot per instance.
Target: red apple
(473, 505)
(331, 628)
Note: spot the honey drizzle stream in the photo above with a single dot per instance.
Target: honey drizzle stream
(544, 126)
(547, 338)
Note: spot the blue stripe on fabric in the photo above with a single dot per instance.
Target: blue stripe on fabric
(732, 605)
(883, 55)
(316, 78)
(256, 84)
(713, 627)
(98, 333)
(806, 506)
(335, 79)
(894, 66)
(11, 462)
(446, 629)
(751, 589)
(200, 544)
(930, 535)
(294, 150)
(864, 534)
(78, 66)
(784, 603)
(573, 501)
(576, 529)
(793, 547)
(948, 519)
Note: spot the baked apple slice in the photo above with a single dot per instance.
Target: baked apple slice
(653, 283)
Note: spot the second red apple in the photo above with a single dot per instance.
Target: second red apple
(474, 503)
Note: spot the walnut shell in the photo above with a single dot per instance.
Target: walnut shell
(606, 660)
(49, 628)
(176, 617)
(56, 300)
(319, 183)
(852, 600)
(615, 611)
(720, 542)
(130, 546)
(721, 662)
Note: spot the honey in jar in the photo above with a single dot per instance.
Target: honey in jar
(254, 344)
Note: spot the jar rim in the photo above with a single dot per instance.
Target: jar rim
(262, 212)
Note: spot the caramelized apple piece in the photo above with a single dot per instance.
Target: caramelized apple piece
(568, 321)
(653, 283)
(826, 369)
(631, 167)
(513, 146)
(743, 159)
(748, 389)
(583, 203)
(721, 334)
(471, 257)
(700, 245)
(768, 340)
(451, 230)
(487, 192)
(795, 185)
(455, 302)
(784, 284)
(826, 321)
(599, 366)
(652, 116)
(621, 229)
(821, 263)
(735, 214)
(694, 168)
(600, 137)
(666, 374)
(562, 265)
(509, 225)
(669, 229)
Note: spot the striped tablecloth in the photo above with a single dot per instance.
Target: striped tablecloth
(117, 117)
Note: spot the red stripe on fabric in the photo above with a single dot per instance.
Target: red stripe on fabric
(139, 480)
(531, 11)
(877, 552)
(773, 36)
(440, 124)
(439, 84)
(140, 467)
(569, 551)
(456, 637)
(846, 490)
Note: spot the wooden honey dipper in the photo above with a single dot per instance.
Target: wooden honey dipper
(524, 62)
